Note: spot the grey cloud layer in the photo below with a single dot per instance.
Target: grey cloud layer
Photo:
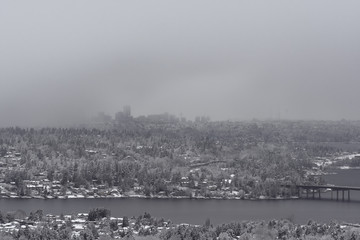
(64, 60)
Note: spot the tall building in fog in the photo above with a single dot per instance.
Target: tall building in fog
(127, 110)
(124, 115)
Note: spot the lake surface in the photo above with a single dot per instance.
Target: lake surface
(219, 211)
(349, 177)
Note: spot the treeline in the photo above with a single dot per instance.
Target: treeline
(199, 136)
(147, 227)
(274, 229)
(214, 138)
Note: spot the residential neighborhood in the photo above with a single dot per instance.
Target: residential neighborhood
(194, 185)
(83, 224)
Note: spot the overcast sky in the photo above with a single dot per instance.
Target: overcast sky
(61, 60)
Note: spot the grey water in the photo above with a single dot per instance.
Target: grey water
(218, 211)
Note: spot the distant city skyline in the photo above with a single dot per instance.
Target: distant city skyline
(63, 62)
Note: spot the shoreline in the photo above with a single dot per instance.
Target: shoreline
(152, 197)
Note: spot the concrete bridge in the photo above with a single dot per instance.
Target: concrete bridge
(314, 191)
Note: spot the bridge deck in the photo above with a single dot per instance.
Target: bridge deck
(331, 187)
(326, 187)
(317, 189)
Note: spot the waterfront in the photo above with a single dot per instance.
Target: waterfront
(219, 211)
(197, 211)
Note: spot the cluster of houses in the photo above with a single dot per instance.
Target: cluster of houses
(11, 160)
(209, 188)
(46, 189)
(79, 223)
(41, 187)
